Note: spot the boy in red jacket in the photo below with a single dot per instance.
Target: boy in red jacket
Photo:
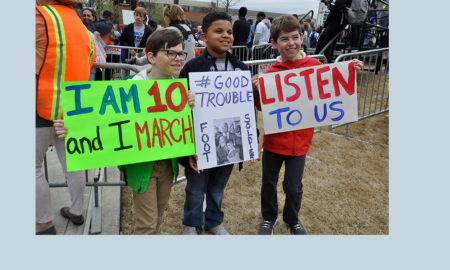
(290, 147)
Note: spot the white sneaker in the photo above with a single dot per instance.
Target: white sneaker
(189, 230)
(218, 230)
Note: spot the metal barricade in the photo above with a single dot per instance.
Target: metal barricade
(241, 52)
(263, 51)
(117, 69)
(259, 52)
(373, 83)
(119, 54)
(123, 51)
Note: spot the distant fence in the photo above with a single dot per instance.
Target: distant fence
(373, 83)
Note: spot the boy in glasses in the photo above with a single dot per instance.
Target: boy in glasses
(218, 36)
(152, 181)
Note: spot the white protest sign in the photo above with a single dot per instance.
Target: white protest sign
(224, 118)
(127, 16)
(113, 51)
(308, 97)
(263, 68)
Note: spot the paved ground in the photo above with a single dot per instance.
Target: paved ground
(104, 219)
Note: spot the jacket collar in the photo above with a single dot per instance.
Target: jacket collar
(229, 56)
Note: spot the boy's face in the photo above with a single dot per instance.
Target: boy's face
(139, 19)
(289, 45)
(165, 62)
(218, 38)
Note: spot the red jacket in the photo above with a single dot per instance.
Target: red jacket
(290, 143)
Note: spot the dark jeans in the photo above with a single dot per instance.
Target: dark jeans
(292, 186)
(212, 183)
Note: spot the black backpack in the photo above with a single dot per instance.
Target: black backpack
(183, 30)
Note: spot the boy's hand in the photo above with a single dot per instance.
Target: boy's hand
(132, 52)
(60, 129)
(193, 164)
(259, 156)
(255, 82)
(191, 98)
(97, 35)
(358, 64)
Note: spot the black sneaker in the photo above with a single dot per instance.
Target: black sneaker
(298, 229)
(266, 227)
(49, 231)
(77, 220)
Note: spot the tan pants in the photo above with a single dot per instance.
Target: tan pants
(149, 206)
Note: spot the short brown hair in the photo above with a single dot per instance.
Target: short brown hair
(163, 39)
(286, 23)
(175, 14)
(140, 11)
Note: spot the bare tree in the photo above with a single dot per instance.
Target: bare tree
(229, 3)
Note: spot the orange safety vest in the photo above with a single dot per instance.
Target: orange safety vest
(69, 56)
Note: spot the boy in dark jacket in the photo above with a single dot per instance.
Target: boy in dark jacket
(136, 34)
(218, 35)
(289, 147)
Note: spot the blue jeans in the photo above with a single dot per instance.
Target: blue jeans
(211, 182)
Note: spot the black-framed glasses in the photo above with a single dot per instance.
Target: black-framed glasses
(172, 55)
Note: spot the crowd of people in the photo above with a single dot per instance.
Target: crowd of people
(245, 33)
(168, 51)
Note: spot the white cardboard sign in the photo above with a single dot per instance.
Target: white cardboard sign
(127, 16)
(224, 118)
(308, 97)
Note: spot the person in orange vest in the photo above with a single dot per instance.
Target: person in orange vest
(64, 52)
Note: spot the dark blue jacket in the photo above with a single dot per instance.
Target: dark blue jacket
(127, 37)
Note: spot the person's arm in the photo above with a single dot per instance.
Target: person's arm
(103, 27)
(99, 39)
(255, 84)
(258, 34)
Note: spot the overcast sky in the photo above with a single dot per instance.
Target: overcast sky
(280, 6)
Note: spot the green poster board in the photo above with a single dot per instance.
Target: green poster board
(114, 123)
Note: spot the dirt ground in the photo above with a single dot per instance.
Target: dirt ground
(345, 182)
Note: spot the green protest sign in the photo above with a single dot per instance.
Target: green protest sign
(114, 123)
